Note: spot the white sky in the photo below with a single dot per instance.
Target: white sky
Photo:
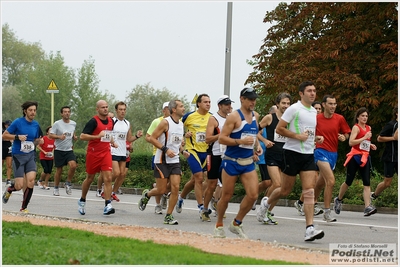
(178, 45)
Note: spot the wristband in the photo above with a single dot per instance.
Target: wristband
(137, 137)
(164, 149)
(16, 137)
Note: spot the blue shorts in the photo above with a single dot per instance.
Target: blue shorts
(23, 163)
(233, 168)
(195, 165)
(323, 155)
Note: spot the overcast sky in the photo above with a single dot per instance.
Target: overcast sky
(176, 45)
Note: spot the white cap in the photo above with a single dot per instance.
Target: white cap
(224, 99)
(165, 105)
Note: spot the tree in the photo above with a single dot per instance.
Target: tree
(17, 57)
(11, 103)
(144, 104)
(348, 49)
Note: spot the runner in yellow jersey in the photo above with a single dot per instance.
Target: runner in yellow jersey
(195, 124)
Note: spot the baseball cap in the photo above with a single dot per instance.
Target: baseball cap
(249, 92)
(224, 100)
(165, 105)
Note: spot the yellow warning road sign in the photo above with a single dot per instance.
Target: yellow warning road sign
(52, 88)
(195, 99)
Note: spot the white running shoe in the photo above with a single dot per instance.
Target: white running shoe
(312, 234)
(237, 229)
(219, 232)
(262, 210)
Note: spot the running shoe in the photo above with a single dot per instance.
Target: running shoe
(164, 201)
(219, 232)
(158, 209)
(337, 205)
(269, 219)
(143, 201)
(98, 193)
(370, 210)
(8, 183)
(205, 216)
(312, 234)
(68, 189)
(254, 205)
(262, 210)
(299, 208)
(56, 192)
(45, 187)
(24, 210)
(328, 217)
(237, 229)
(179, 204)
(81, 207)
(372, 198)
(39, 183)
(120, 191)
(108, 209)
(6, 196)
(114, 197)
(169, 219)
(317, 210)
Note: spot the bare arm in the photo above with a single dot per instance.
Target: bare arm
(211, 125)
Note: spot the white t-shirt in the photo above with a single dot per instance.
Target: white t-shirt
(67, 129)
(120, 132)
(300, 119)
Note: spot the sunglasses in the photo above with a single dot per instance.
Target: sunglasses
(247, 90)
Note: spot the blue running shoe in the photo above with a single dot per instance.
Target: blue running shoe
(81, 207)
(108, 209)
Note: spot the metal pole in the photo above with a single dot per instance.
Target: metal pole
(227, 80)
(52, 108)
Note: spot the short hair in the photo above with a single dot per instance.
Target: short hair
(199, 99)
(120, 103)
(359, 112)
(316, 103)
(282, 96)
(28, 104)
(325, 98)
(62, 108)
(303, 85)
(172, 104)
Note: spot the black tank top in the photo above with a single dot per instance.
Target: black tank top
(278, 146)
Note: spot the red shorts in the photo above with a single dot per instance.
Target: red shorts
(96, 162)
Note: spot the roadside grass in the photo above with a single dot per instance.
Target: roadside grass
(27, 244)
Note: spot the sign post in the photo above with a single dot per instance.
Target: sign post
(194, 101)
(52, 88)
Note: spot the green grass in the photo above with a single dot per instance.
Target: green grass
(27, 244)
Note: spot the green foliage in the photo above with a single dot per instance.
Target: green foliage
(44, 245)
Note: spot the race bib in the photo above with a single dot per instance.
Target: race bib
(128, 153)
(200, 137)
(311, 132)
(365, 145)
(176, 138)
(27, 146)
(67, 135)
(10, 149)
(106, 137)
(279, 138)
(244, 135)
(49, 155)
(222, 148)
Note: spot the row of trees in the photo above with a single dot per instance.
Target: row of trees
(28, 70)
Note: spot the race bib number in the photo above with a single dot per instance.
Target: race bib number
(176, 138)
(49, 154)
(67, 135)
(279, 138)
(106, 137)
(200, 137)
(311, 132)
(365, 145)
(244, 135)
(27, 146)
(121, 136)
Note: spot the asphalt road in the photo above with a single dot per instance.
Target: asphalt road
(351, 227)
